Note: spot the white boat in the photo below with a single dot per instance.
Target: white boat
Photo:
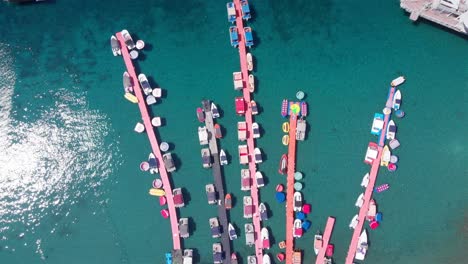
(265, 238)
(214, 110)
(188, 256)
(150, 100)
(266, 259)
(249, 61)
(127, 82)
(242, 130)
(365, 180)
(297, 202)
(318, 243)
(258, 155)
(222, 158)
(249, 234)
(297, 228)
(248, 207)
(144, 84)
(263, 212)
(391, 130)
(251, 260)
(386, 155)
(255, 130)
(115, 45)
(372, 210)
(353, 222)
(260, 181)
(217, 253)
(206, 158)
(153, 163)
(139, 128)
(362, 246)
(253, 107)
(398, 81)
(397, 100)
(245, 180)
(360, 200)
(232, 232)
(203, 135)
(128, 39)
(251, 83)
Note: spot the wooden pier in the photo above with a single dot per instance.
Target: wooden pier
(290, 189)
(326, 239)
(219, 182)
(150, 131)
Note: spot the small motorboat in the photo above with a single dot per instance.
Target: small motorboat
(214, 111)
(251, 260)
(266, 259)
(206, 158)
(260, 181)
(245, 15)
(168, 258)
(397, 100)
(145, 84)
(283, 164)
(245, 180)
(377, 124)
(222, 158)
(248, 207)
(211, 193)
(127, 82)
(398, 81)
(200, 115)
(372, 210)
(285, 140)
(263, 212)
(249, 234)
(249, 61)
(284, 108)
(318, 242)
(330, 250)
(360, 200)
(242, 130)
(238, 81)
(178, 198)
(258, 155)
(217, 129)
(217, 253)
(115, 45)
(251, 83)
(132, 98)
(188, 256)
(184, 228)
(365, 180)
(285, 127)
(253, 106)
(371, 153)
(265, 238)
(157, 192)
(153, 163)
(214, 227)
(234, 258)
(150, 100)
(234, 36)
(128, 39)
(301, 129)
(203, 135)
(304, 109)
(243, 154)
(297, 202)
(240, 105)
(255, 130)
(391, 130)
(297, 228)
(386, 155)
(354, 222)
(232, 232)
(362, 246)
(228, 201)
(231, 12)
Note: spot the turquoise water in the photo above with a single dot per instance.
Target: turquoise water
(70, 187)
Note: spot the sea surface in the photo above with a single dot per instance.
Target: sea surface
(70, 187)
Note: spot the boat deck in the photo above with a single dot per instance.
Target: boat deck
(250, 140)
(219, 184)
(290, 189)
(326, 239)
(370, 186)
(150, 131)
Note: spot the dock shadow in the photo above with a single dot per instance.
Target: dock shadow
(192, 226)
(187, 196)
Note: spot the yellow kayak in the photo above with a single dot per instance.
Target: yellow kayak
(285, 140)
(157, 192)
(132, 98)
(286, 127)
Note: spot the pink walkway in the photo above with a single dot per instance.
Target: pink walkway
(290, 189)
(326, 239)
(250, 140)
(370, 187)
(154, 142)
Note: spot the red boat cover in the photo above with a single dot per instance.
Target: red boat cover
(298, 231)
(329, 252)
(178, 199)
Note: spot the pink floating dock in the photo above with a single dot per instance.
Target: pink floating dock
(153, 141)
(370, 187)
(326, 239)
(290, 189)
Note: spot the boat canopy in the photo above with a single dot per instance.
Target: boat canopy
(248, 36)
(392, 129)
(218, 257)
(246, 8)
(211, 196)
(215, 231)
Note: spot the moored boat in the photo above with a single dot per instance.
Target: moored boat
(128, 39)
(232, 232)
(217, 129)
(285, 140)
(251, 260)
(217, 253)
(249, 61)
(203, 135)
(353, 222)
(242, 130)
(234, 36)
(211, 193)
(265, 238)
(284, 108)
(245, 10)
(222, 158)
(253, 106)
(184, 228)
(240, 105)
(214, 227)
(330, 250)
(362, 246)
(285, 127)
(251, 83)
(260, 181)
(371, 153)
(372, 210)
(391, 130)
(318, 242)
(255, 130)
(397, 100)
(188, 256)
(200, 114)
(398, 81)
(168, 162)
(248, 37)
(297, 202)
(246, 182)
(304, 110)
(249, 234)
(153, 163)
(214, 110)
(386, 155)
(297, 228)
(228, 201)
(178, 198)
(248, 207)
(258, 155)
(377, 124)
(365, 180)
(266, 259)
(127, 82)
(132, 98)
(263, 212)
(144, 84)
(234, 258)
(283, 164)
(360, 200)
(243, 154)
(115, 45)
(206, 158)
(301, 129)
(237, 80)
(231, 12)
